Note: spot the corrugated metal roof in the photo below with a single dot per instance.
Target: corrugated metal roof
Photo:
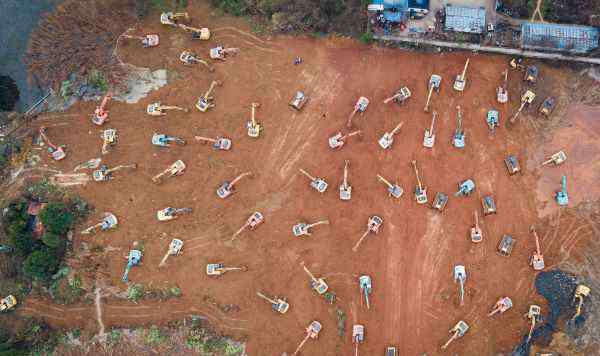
(557, 37)
(465, 19)
(391, 4)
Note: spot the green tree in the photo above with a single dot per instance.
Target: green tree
(15, 226)
(41, 264)
(57, 219)
(9, 93)
(52, 240)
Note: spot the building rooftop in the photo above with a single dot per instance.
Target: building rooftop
(556, 37)
(465, 19)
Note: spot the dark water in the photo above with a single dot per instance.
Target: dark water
(18, 19)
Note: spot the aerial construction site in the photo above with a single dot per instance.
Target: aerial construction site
(319, 196)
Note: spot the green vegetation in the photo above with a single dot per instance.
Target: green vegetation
(97, 80)
(143, 7)
(135, 292)
(9, 93)
(367, 37)
(33, 337)
(234, 7)
(341, 321)
(154, 336)
(114, 337)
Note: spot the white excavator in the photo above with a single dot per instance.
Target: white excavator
(206, 101)
(254, 128)
(534, 314)
(373, 225)
(420, 189)
(175, 169)
(109, 138)
(502, 90)
(163, 140)
(157, 109)
(318, 284)
(227, 188)
(458, 331)
(557, 159)
(503, 304)
(400, 96)
(461, 80)
(394, 190)
(537, 259)
(338, 140)
(253, 221)
(312, 332)
(221, 52)
(387, 139)
(219, 143)
(278, 304)
(190, 58)
(302, 229)
(318, 184)
(147, 41)
(104, 174)
(526, 99)
(108, 222)
(175, 247)
(173, 19)
(345, 188)
(7, 303)
(361, 106)
(100, 115)
(429, 136)
(218, 269)
(170, 213)
(434, 84)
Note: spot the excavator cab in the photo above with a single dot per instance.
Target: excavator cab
(399, 96)
(547, 106)
(512, 165)
(375, 223)
(150, 41)
(440, 201)
(493, 120)
(503, 304)
(488, 204)
(102, 174)
(256, 219)
(298, 101)
(531, 74)
(8, 303)
(465, 188)
(506, 245)
(358, 333)
(319, 184)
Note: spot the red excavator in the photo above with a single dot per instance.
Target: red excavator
(101, 114)
(56, 152)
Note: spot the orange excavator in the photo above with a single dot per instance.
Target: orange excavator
(101, 114)
(56, 152)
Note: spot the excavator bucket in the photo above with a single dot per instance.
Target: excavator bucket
(440, 201)
(298, 101)
(506, 245)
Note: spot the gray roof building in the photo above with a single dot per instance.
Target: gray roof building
(556, 37)
(465, 19)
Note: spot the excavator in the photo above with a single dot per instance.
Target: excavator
(175, 247)
(461, 79)
(476, 233)
(459, 134)
(557, 159)
(104, 174)
(512, 165)
(318, 284)
(400, 96)
(394, 190)
(460, 276)
(440, 201)
(221, 52)
(302, 229)
(429, 136)
(254, 128)
(503, 304)
(516, 63)
(147, 41)
(458, 331)
(493, 121)
(387, 139)
(531, 74)
(502, 90)
(89, 164)
(7, 303)
(358, 336)
(163, 140)
(189, 58)
(581, 292)
(345, 188)
(465, 188)
(170, 213)
(206, 101)
(312, 332)
(298, 101)
(534, 315)
(420, 190)
(434, 84)
(219, 143)
(109, 221)
(361, 106)
(157, 109)
(175, 169)
(319, 184)
(366, 288)
(537, 259)
(373, 225)
(488, 204)
(338, 140)
(526, 99)
(100, 115)
(547, 106)
(279, 305)
(561, 196)
(218, 269)
(253, 221)
(505, 246)
(173, 19)
(197, 33)
(109, 138)
(56, 152)
(228, 188)
(133, 259)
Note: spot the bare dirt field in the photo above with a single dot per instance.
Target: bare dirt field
(415, 301)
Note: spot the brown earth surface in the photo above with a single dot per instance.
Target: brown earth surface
(414, 302)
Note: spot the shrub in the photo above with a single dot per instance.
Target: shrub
(234, 7)
(154, 336)
(9, 93)
(15, 226)
(41, 264)
(367, 37)
(57, 219)
(135, 292)
(97, 80)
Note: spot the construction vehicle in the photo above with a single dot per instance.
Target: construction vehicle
(581, 292)
(151, 40)
(89, 164)
(458, 140)
(488, 205)
(170, 213)
(104, 174)
(373, 225)
(429, 136)
(561, 196)
(277, 304)
(440, 201)
(219, 143)
(228, 188)
(302, 229)
(366, 287)
(157, 109)
(206, 101)
(109, 221)
(100, 115)
(516, 63)
(547, 106)
(173, 19)
(512, 165)
(221, 52)
(56, 152)
(298, 101)
(420, 190)
(319, 184)
(318, 284)
(434, 84)
(218, 269)
(537, 259)
(254, 128)
(391, 351)
(502, 305)
(312, 332)
(476, 232)
(361, 106)
(358, 336)
(531, 74)
(505, 246)
(175, 169)
(7, 303)
(189, 58)
(457, 331)
(502, 90)
(197, 33)
(338, 140)
(557, 159)
(526, 99)
(394, 190)
(133, 259)
(534, 315)
(345, 188)
(109, 138)
(253, 221)
(493, 120)
(460, 276)
(163, 140)
(400, 96)
(461, 79)
(388, 138)
(465, 188)
(175, 247)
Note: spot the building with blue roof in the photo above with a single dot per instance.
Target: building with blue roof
(465, 19)
(557, 37)
(393, 10)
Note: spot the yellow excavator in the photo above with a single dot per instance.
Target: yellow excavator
(526, 99)
(581, 292)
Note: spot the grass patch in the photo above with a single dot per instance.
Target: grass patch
(154, 336)
(135, 292)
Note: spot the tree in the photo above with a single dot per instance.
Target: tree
(9, 93)
(15, 226)
(41, 264)
(57, 219)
